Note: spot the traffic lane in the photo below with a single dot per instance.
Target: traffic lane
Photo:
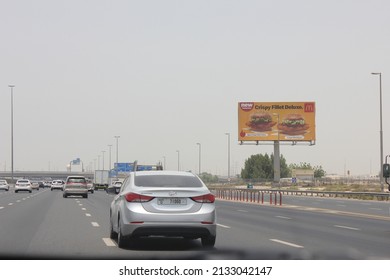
(155, 247)
(68, 233)
(11, 197)
(94, 223)
(20, 220)
(309, 233)
(371, 207)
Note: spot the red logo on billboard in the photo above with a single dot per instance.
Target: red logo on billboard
(309, 107)
(246, 106)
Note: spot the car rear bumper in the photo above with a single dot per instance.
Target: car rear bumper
(173, 230)
(75, 191)
(138, 222)
(23, 189)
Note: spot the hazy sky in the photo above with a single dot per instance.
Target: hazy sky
(165, 75)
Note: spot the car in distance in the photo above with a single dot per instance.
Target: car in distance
(57, 185)
(35, 185)
(163, 203)
(90, 186)
(4, 185)
(23, 185)
(114, 187)
(75, 185)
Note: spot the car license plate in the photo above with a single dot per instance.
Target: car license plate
(172, 201)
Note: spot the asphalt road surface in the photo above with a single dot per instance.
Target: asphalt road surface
(44, 225)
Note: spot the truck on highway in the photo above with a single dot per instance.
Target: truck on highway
(101, 179)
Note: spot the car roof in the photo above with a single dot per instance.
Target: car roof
(164, 172)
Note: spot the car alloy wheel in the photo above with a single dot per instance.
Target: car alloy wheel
(122, 241)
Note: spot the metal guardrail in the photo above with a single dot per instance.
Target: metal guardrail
(359, 195)
(246, 195)
(275, 196)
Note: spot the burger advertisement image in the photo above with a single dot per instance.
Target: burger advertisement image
(261, 121)
(279, 121)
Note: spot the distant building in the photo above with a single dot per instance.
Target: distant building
(306, 175)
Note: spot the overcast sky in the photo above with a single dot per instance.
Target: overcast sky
(165, 75)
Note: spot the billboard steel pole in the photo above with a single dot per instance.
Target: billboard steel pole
(380, 131)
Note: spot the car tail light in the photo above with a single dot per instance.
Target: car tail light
(207, 198)
(134, 197)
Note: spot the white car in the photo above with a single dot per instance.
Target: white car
(57, 185)
(4, 185)
(23, 185)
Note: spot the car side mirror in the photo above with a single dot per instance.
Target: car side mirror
(386, 170)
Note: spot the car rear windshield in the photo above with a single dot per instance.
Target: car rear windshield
(76, 180)
(167, 181)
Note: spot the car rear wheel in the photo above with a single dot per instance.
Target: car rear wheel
(113, 234)
(208, 241)
(30, 191)
(122, 241)
(64, 195)
(85, 195)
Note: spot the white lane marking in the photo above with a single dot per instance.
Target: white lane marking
(223, 226)
(88, 215)
(109, 242)
(95, 224)
(345, 227)
(342, 205)
(24, 198)
(283, 217)
(375, 208)
(287, 243)
(243, 211)
(10, 204)
(1, 208)
(18, 201)
(83, 209)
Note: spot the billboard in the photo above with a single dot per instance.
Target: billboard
(276, 121)
(124, 166)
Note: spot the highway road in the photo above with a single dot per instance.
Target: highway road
(44, 225)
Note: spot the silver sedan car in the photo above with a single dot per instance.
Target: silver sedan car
(163, 203)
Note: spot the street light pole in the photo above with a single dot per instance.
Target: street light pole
(178, 160)
(228, 135)
(109, 157)
(200, 147)
(12, 130)
(103, 158)
(380, 130)
(116, 168)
